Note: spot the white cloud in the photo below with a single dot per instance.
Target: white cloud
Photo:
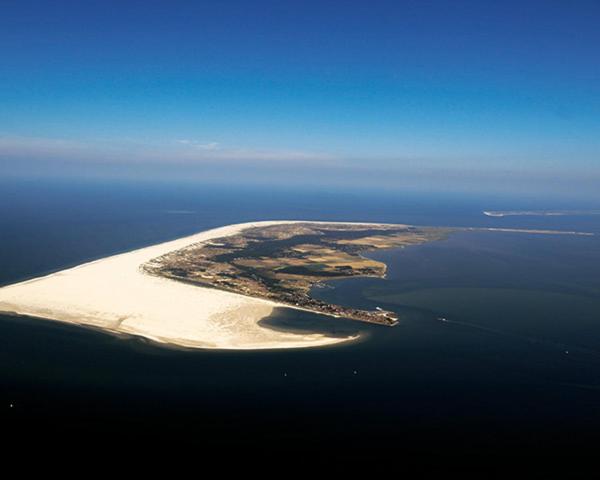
(180, 151)
(199, 145)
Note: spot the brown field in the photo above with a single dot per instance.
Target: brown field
(286, 272)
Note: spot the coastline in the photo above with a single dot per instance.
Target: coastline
(114, 295)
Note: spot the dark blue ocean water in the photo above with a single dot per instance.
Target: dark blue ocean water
(498, 347)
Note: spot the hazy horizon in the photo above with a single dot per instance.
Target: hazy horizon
(468, 96)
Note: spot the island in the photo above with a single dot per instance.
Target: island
(213, 289)
(284, 262)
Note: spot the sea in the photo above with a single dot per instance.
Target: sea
(497, 352)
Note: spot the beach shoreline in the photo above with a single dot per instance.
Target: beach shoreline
(114, 294)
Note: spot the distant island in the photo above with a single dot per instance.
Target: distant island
(540, 213)
(283, 262)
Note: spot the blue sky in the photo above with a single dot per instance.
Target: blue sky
(378, 90)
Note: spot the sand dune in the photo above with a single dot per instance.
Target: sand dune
(115, 295)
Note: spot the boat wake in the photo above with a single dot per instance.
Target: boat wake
(565, 348)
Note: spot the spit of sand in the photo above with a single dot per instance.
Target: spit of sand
(115, 295)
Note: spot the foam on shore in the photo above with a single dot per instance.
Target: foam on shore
(115, 295)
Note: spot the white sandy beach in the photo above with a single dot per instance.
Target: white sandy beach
(113, 294)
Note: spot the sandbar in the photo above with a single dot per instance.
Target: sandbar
(115, 295)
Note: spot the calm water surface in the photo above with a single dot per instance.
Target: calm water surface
(498, 345)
